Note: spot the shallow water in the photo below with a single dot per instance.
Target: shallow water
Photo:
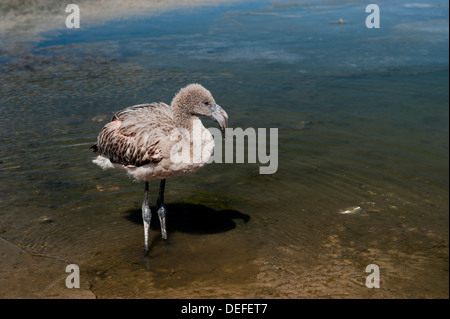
(362, 116)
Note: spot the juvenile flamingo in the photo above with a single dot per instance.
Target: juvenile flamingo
(149, 141)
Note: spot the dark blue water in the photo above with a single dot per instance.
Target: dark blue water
(362, 116)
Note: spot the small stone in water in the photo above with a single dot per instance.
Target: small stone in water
(45, 219)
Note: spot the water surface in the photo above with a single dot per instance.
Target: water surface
(362, 116)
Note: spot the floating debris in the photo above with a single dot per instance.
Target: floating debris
(99, 118)
(340, 21)
(101, 188)
(303, 124)
(351, 210)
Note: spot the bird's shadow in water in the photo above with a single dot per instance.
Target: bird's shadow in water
(192, 218)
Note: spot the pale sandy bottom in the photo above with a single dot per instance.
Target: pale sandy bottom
(31, 276)
(229, 265)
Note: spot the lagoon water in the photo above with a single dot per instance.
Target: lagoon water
(362, 117)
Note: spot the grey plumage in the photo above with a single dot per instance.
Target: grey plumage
(132, 137)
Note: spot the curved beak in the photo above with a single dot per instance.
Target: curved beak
(220, 116)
